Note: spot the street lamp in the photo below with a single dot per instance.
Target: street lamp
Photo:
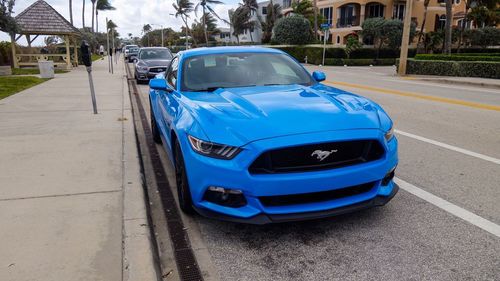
(160, 25)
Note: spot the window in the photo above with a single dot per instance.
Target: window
(209, 72)
(327, 14)
(264, 10)
(156, 53)
(399, 11)
(347, 16)
(440, 22)
(172, 72)
(287, 4)
(375, 10)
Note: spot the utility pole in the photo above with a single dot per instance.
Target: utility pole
(110, 63)
(403, 57)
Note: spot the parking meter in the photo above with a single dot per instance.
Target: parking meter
(85, 49)
(87, 61)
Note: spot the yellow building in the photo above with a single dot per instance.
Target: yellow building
(347, 16)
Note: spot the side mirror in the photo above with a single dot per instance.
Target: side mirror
(159, 84)
(319, 76)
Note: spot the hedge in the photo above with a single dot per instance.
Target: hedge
(315, 54)
(454, 68)
(359, 62)
(478, 54)
(456, 58)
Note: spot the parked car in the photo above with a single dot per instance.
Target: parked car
(150, 62)
(255, 138)
(131, 52)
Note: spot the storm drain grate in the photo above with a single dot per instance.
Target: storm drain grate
(184, 256)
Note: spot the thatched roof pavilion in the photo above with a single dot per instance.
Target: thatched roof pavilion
(41, 19)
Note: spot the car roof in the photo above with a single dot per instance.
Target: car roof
(222, 50)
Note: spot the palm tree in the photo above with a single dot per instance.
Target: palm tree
(205, 4)
(273, 14)
(102, 5)
(83, 14)
(251, 6)
(315, 7)
(93, 12)
(240, 20)
(448, 27)
(426, 5)
(146, 29)
(182, 9)
(71, 11)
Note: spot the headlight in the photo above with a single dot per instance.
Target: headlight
(214, 150)
(389, 134)
(143, 68)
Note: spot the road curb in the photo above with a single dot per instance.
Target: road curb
(457, 82)
(138, 257)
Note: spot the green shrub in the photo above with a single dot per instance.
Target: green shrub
(478, 54)
(456, 58)
(295, 30)
(358, 62)
(5, 53)
(454, 68)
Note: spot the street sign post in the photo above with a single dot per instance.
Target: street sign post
(326, 28)
(87, 61)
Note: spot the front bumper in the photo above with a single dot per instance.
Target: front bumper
(204, 172)
(146, 76)
(266, 218)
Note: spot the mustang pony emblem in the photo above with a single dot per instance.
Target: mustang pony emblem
(322, 154)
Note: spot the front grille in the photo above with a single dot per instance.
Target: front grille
(314, 157)
(314, 197)
(157, 69)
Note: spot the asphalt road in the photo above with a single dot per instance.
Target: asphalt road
(408, 239)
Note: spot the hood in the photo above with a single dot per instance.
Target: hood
(156, 62)
(238, 116)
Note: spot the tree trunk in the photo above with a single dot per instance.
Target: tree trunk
(426, 4)
(83, 15)
(448, 30)
(205, 26)
(315, 4)
(71, 11)
(97, 21)
(462, 29)
(93, 12)
(251, 37)
(189, 30)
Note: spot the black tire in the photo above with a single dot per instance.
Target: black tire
(183, 191)
(154, 129)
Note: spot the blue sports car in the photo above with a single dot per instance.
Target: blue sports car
(255, 138)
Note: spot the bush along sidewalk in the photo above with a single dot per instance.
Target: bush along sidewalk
(338, 56)
(461, 57)
(481, 69)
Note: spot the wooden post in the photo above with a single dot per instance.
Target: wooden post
(75, 51)
(403, 57)
(13, 45)
(68, 55)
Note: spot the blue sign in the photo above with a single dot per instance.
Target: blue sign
(325, 26)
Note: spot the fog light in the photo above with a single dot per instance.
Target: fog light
(388, 177)
(225, 197)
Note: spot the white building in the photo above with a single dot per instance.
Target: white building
(259, 15)
(224, 36)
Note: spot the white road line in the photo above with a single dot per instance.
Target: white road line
(450, 207)
(451, 147)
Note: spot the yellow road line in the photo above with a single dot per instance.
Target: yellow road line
(418, 96)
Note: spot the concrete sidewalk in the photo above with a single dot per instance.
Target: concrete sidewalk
(71, 198)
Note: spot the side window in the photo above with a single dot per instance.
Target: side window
(172, 72)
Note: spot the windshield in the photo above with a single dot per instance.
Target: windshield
(155, 54)
(209, 72)
(131, 47)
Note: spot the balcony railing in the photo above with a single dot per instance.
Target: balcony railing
(347, 21)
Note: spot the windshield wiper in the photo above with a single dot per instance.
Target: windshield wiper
(208, 89)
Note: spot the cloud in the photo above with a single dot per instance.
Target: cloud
(130, 15)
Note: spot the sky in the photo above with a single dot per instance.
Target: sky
(130, 15)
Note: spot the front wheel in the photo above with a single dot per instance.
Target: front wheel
(154, 128)
(183, 191)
